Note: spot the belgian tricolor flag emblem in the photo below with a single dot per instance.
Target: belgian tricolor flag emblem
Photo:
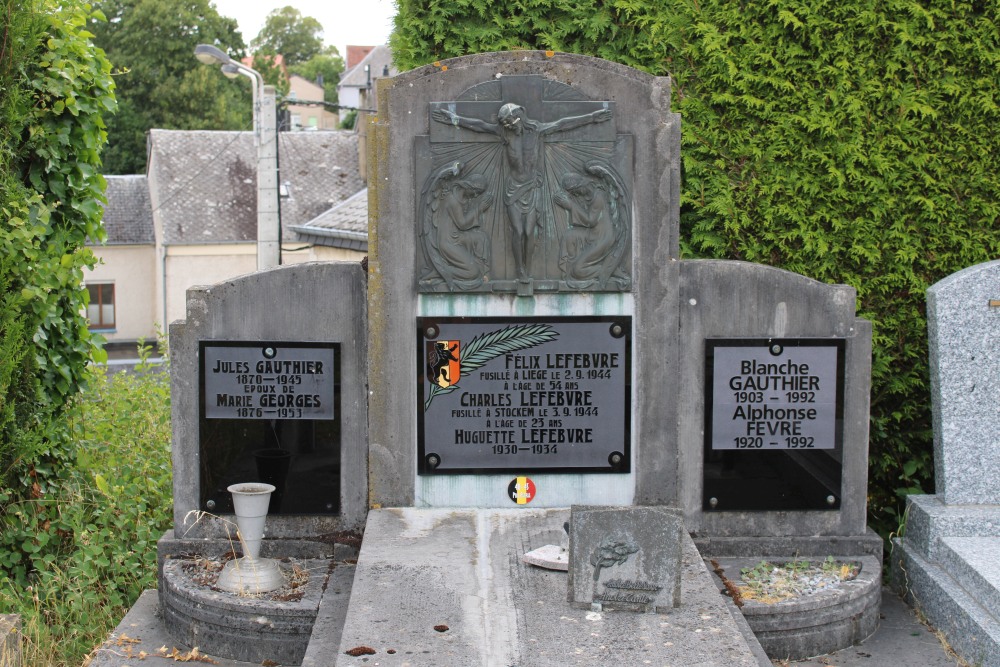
(521, 490)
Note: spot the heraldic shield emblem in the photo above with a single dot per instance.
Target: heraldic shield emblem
(444, 366)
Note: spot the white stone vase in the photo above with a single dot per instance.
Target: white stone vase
(251, 574)
(250, 501)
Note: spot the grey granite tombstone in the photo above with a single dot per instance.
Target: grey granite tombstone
(625, 558)
(947, 562)
(963, 326)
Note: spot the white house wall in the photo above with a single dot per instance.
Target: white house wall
(318, 253)
(132, 270)
(190, 265)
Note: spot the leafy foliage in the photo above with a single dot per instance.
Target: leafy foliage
(159, 83)
(853, 143)
(298, 38)
(57, 89)
(75, 558)
(349, 120)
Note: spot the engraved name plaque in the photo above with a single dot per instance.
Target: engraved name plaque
(773, 423)
(524, 394)
(774, 396)
(268, 381)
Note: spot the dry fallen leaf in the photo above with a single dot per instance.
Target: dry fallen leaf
(194, 655)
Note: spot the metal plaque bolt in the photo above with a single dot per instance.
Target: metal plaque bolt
(617, 330)
(776, 349)
(830, 500)
(433, 460)
(210, 504)
(713, 502)
(615, 459)
(269, 352)
(431, 332)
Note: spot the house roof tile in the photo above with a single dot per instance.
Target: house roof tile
(128, 216)
(378, 59)
(203, 183)
(343, 226)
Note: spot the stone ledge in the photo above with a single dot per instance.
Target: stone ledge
(974, 562)
(968, 627)
(929, 519)
(461, 568)
(869, 544)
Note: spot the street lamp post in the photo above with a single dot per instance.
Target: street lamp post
(265, 140)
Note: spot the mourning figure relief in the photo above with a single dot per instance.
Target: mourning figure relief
(453, 239)
(523, 190)
(597, 228)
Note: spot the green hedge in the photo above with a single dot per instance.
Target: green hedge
(854, 143)
(55, 89)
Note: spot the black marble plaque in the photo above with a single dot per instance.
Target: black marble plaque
(269, 413)
(524, 394)
(773, 424)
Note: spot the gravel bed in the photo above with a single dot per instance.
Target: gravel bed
(769, 583)
(205, 571)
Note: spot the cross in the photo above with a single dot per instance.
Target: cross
(528, 92)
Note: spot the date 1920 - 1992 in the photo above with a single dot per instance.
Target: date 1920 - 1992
(790, 442)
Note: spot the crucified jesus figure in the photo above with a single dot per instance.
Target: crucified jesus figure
(522, 139)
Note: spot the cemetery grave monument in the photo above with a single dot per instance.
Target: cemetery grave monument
(527, 351)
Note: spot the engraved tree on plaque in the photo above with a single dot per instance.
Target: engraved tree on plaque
(525, 187)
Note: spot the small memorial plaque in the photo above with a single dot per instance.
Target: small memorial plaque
(267, 381)
(524, 394)
(774, 413)
(625, 558)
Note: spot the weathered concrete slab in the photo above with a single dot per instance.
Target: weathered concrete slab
(460, 571)
(10, 640)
